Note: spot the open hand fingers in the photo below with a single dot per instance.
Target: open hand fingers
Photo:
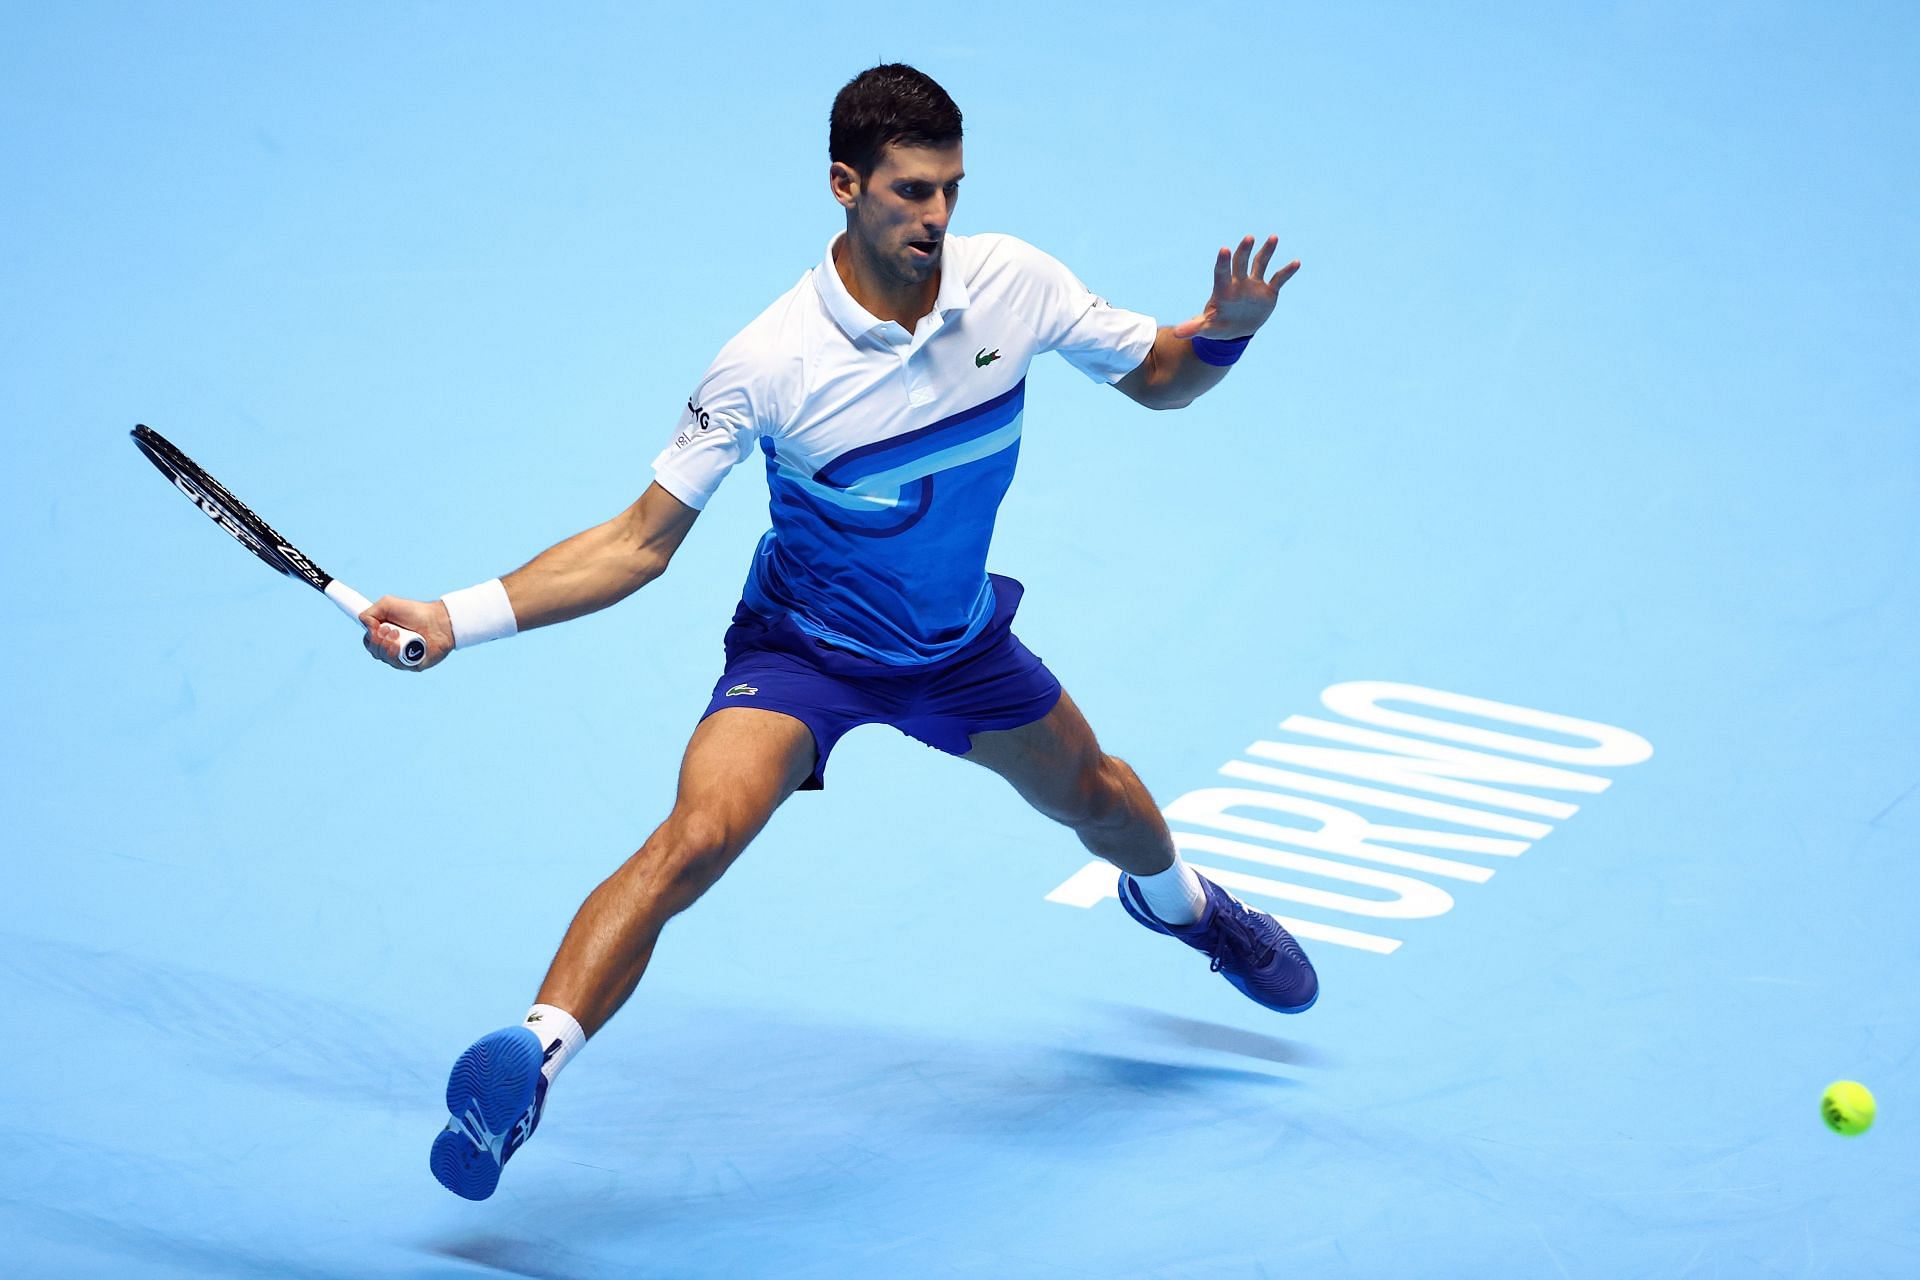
(1243, 296)
(1242, 256)
(1265, 256)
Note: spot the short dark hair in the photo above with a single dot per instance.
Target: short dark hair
(886, 105)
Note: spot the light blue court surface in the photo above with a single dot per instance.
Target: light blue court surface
(1595, 397)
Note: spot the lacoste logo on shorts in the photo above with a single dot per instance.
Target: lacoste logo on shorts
(739, 689)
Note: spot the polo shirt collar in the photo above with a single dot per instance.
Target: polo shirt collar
(856, 321)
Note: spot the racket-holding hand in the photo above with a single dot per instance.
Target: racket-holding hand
(428, 618)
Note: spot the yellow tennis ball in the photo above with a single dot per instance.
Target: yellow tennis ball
(1847, 1107)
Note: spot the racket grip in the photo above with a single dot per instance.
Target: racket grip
(413, 648)
(413, 645)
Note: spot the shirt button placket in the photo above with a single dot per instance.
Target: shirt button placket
(918, 392)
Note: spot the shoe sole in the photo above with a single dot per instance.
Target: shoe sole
(495, 1077)
(1277, 1008)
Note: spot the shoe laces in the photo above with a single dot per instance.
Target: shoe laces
(1237, 940)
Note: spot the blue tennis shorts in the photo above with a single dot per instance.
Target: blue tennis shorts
(995, 682)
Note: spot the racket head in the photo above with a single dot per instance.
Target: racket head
(225, 510)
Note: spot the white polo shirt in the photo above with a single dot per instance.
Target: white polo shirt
(888, 452)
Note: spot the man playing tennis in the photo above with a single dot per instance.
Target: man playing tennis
(885, 390)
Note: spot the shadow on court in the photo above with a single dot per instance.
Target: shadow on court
(691, 1134)
(1196, 1033)
(745, 1128)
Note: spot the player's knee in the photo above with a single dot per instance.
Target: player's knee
(689, 853)
(1107, 795)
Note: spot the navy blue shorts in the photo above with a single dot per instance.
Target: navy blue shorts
(995, 682)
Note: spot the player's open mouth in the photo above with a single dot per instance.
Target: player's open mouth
(925, 248)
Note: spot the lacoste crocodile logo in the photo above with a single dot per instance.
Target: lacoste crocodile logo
(984, 357)
(739, 689)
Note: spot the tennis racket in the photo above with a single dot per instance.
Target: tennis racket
(257, 536)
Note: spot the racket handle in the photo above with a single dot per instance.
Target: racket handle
(412, 647)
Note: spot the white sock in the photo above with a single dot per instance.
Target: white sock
(1175, 895)
(560, 1035)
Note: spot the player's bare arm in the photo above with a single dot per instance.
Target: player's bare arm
(590, 571)
(1173, 375)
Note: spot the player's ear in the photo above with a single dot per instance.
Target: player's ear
(844, 181)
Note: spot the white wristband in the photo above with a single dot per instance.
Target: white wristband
(480, 614)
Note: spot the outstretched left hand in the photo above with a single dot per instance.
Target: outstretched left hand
(1243, 297)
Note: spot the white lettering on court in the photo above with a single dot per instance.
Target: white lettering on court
(1312, 805)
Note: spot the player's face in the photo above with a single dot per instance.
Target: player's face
(900, 213)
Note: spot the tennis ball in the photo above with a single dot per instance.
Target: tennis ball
(1847, 1107)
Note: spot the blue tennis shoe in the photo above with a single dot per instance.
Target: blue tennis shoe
(494, 1098)
(1248, 948)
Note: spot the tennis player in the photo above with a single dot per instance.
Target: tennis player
(886, 392)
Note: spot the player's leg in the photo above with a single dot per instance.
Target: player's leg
(740, 765)
(1057, 765)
